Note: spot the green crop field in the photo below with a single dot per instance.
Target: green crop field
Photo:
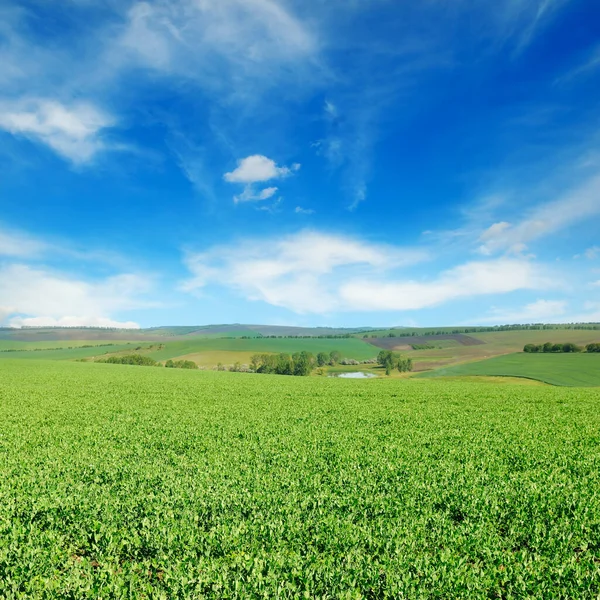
(134, 482)
(349, 347)
(54, 351)
(556, 369)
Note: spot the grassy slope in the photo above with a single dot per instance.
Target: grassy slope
(556, 369)
(497, 344)
(68, 354)
(349, 347)
(137, 482)
(51, 345)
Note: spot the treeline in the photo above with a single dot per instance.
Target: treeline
(131, 359)
(567, 347)
(145, 361)
(299, 364)
(486, 329)
(391, 360)
(181, 364)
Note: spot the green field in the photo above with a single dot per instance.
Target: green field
(133, 482)
(349, 347)
(556, 369)
(65, 353)
(49, 345)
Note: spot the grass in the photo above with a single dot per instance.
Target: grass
(349, 347)
(497, 343)
(66, 353)
(50, 345)
(214, 357)
(556, 369)
(133, 482)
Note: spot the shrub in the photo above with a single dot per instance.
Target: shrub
(181, 364)
(131, 359)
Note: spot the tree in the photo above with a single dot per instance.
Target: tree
(285, 366)
(593, 347)
(547, 347)
(557, 348)
(405, 365)
(383, 357)
(303, 365)
(322, 359)
(334, 357)
(532, 348)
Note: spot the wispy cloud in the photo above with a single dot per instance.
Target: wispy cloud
(16, 244)
(312, 272)
(575, 206)
(74, 131)
(304, 211)
(540, 311)
(215, 41)
(590, 64)
(499, 276)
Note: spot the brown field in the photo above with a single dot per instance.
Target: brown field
(399, 343)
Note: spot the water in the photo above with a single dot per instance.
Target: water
(357, 375)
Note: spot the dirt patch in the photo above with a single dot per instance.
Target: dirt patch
(394, 343)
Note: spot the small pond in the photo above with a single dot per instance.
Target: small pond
(357, 375)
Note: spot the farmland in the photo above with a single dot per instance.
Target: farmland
(134, 482)
(556, 369)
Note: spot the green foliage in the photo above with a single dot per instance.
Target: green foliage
(157, 483)
(300, 364)
(181, 364)
(322, 359)
(594, 347)
(334, 357)
(391, 360)
(349, 347)
(549, 347)
(131, 359)
(571, 369)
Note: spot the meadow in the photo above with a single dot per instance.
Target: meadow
(555, 369)
(135, 482)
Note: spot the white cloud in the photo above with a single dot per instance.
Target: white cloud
(300, 272)
(72, 131)
(312, 272)
(579, 204)
(46, 296)
(206, 40)
(498, 276)
(71, 322)
(248, 195)
(304, 211)
(16, 244)
(258, 168)
(541, 311)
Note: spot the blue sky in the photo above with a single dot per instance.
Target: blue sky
(312, 163)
